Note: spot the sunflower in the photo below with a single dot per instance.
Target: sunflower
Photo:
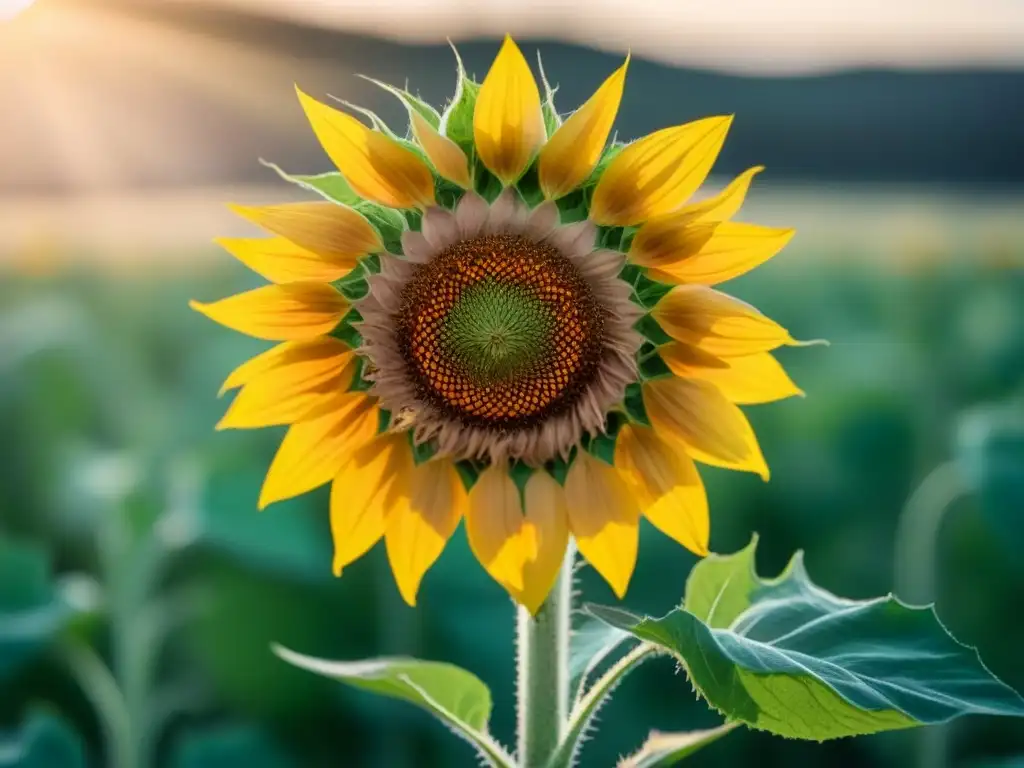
(504, 319)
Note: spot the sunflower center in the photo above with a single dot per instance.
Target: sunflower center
(500, 331)
(493, 330)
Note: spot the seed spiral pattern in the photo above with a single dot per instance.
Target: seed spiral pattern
(500, 331)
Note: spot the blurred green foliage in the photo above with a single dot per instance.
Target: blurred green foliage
(107, 404)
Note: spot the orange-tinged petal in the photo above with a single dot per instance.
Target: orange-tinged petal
(494, 527)
(666, 484)
(419, 528)
(572, 152)
(717, 323)
(302, 377)
(281, 261)
(604, 519)
(447, 157)
(667, 240)
(375, 166)
(732, 250)
(508, 126)
(334, 232)
(746, 380)
(547, 530)
(725, 204)
(313, 451)
(372, 483)
(698, 416)
(279, 312)
(657, 173)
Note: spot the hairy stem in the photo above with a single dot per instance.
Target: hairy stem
(592, 700)
(543, 671)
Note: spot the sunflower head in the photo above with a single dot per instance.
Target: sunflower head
(501, 317)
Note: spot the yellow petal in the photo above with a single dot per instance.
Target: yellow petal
(666, 484)
(603, 517)
(254, 366)
(418, 529)
(572, 152)
(334, 232)
(281, 261)
(658, 173)
(375, 166)
(494, 526)
(547, 531)
(448, 158)
(302, 377)
(698, 416)
(746, 380)
(371, 484)
(508, 127)
(725, 204)
(279, 312)
(313, 451)
(717, 323)
(732, 250)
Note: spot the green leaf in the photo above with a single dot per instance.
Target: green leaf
(32, 611)
(664, 749)
(44, 741)
(457, 120)
(230, 745)
(331, 186)
(591, 645)
(788, 657)
(454, 696)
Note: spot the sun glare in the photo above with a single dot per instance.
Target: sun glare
(10, 8)
(101, 95)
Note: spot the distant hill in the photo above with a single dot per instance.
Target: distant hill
(960, 128)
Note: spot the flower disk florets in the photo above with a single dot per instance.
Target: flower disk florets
(500, 331)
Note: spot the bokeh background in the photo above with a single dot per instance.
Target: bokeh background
(139, 588)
